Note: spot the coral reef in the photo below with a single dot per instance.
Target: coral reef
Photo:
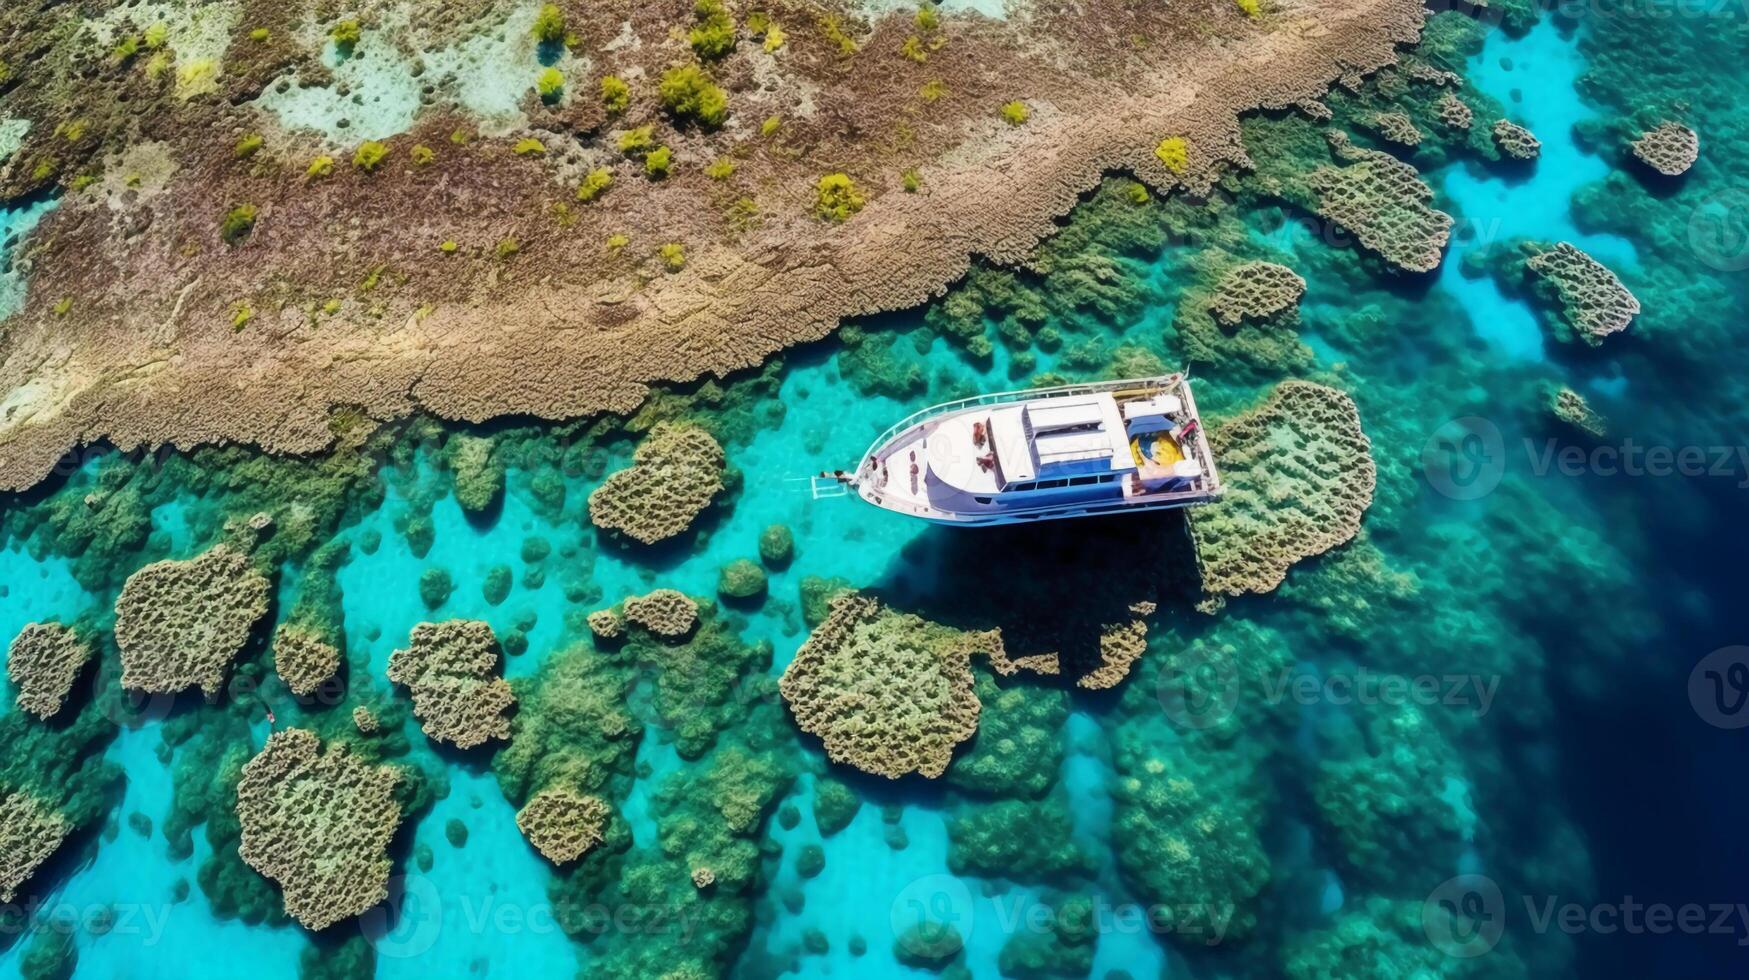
(1516, 142)
(1397, 128)
(317, 820)
(1019, 749)
(1669, 148)
(664, 612)
(886, 692)
(835, 805)
(1021, 840)
(43, 662)
(1120, 646)
(563, 824)
(303, 658)
(532, 330)
(30, 831)
(1571, 407)
(777, 546)
(365, 721)
(1298, 474)
(605, 624)
(741, 579)
(479, 476)
(1454, 112)
(1593, 300)
(179, 623)
(1255, 291)
(676, 471)
(449, 667)
(1383, 202)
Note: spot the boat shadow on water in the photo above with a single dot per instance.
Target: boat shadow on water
(1049, 586)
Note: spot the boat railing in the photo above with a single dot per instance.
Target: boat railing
(1029, 394)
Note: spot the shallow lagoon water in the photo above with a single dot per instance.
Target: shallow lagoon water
(826, 424)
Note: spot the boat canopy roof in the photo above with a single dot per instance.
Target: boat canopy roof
(1028, 441)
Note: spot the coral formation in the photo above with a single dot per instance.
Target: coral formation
(605, 624)
(43, 662)
(479, 475)
(1669, 148)
(1397, 128)
(664, 612)
(317, 820)
(676, 471)
(741, 579)
(777, 546)
(1256, 291)
(1384, 203)
(1593, 301)
(30, 831)
(1571, 407)
(303, 658)
(886, 692)
(835, 805)
(562, 824)
(1454, 112)
(449, 667)
(1298, 474)
(1120, 645)
(179, 623)
(365, 721)
(1516, 142)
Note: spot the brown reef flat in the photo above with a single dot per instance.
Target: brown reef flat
(129, 333)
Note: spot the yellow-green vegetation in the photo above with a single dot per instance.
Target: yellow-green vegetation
(1252, 8)
(62, 306)
(507, 248)
(460, 136)
(72, 131)
(911, 180)
(932, 90)
(770, 125)
(260, 34)
(638, 141)
(1016, 112)
(927, 18)
(528, 146)
(616, 95)
(81, 182)
(673, 256)
(449, 247)
(713, 36)
(369, 154)
(833, 30)
(722, 168)
(247, 146)
(1137, 193)
(657, 162)
(124, 50)
(743, 212)
(549, 24)
(1174, 152)
(617, 241)
(774, 39)
(550, 83)
(595, 183)
(688, 93)
(5, 72)
(346, 35)
(241, 314)
(320, 167)
(913, 49)
(156, 35)
(421, 155)
(836, 197)
(237, 223)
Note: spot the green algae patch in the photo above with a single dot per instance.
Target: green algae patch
(1298, 475)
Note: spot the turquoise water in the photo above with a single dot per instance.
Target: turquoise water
(1353, 810)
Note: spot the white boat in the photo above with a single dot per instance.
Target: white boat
(1071, 451)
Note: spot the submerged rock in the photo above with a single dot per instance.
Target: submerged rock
(1515, 142)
